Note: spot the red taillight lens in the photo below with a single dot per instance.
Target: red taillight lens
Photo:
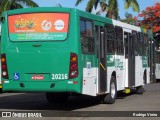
(73, 70)
(4, 66)
(74, 66)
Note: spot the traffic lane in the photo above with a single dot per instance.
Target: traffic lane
(149, 101)
(37, 101)
(153, 87)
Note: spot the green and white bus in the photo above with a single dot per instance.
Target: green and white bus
(157, 57)
(61, 51)
(0, 59)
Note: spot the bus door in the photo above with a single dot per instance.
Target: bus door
(101, 54)
(130, 57)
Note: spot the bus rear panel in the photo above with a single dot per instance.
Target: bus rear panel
(39, 53)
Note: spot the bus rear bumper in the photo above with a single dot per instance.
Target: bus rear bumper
(41, 86)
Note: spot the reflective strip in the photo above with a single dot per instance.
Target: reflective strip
(102, 66)
(0, 86)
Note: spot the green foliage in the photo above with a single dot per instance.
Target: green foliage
(131, 3)
(129, 19)
(77, 2)
(90, 5)
(112, 9)
(110, 6)
(15, 4)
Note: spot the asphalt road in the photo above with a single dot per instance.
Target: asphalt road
(149, 101)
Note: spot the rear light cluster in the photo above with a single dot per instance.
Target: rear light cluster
(4, 66)
(73, 70)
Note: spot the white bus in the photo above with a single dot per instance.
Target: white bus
(157, 57)
(0, 61)
(79, 53)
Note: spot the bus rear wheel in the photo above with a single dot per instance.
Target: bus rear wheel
(140, 89)
(57, 97)
(157, 80)
(111, 96)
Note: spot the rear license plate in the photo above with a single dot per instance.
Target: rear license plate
(37, 77)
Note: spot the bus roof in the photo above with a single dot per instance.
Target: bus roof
(80, 13)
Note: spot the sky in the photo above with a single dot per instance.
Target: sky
(71, 4)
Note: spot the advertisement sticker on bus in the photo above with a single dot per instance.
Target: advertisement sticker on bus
(38, 26)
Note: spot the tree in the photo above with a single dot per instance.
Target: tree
(90, 4)
(129, 19)
(15, 4)
(111, 7)
(150, 18)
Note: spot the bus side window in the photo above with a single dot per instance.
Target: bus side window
(86, 35)
(141, 43)
(157, 58)
(136, 45)
(110, 36)
(157, 39)
(146, 44)
(119, 41)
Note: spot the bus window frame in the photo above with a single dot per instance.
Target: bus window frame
(136, 43)
(119, 47)
(157, 54)
(113, 40)
(141, 43)
(146, 44)
(157, 41)
(85, 36)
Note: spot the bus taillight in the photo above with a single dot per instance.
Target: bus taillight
(4, 66)
(73, 70)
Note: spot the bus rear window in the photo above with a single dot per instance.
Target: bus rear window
(38, 26)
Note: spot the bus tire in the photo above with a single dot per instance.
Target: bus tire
(57, 97)
(140, 90)
(157, 80)
(111, 96)
(0, 90)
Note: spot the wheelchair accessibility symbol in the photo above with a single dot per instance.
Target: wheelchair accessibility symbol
(16, 76)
